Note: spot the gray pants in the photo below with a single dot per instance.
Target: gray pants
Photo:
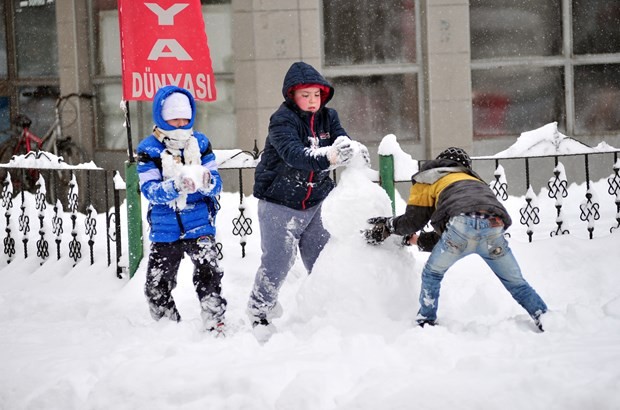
(283, 230)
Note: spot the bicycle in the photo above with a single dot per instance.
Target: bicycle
(23, 141)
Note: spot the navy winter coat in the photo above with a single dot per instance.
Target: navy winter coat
(167, 222)
(289, 173)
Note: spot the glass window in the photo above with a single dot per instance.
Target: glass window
(597, 98)
(369, 32)
(216, 119)
(217, 20)
(36, 39)
(370, 43)
(3, 61)
(38, 104)
(596, 26)
(508, 28)
(503, 93)
(5, 113)
(373, 106)
(109, 41)
(507, 101)
(111, 120)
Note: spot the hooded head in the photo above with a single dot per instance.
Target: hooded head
(172, 102)
(303, 75)
(457, 155)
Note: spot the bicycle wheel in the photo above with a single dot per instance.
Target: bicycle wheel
(70, 152)
(25, 180)
(6, 152)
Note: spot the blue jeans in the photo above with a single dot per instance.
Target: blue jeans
(463, 236)
(283, 232)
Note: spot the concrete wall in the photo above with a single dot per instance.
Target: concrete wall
(269, 35)
(447, 75)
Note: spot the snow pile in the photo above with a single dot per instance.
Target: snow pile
(547, 140)
(376, 292)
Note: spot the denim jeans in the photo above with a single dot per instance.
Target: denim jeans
(463, 236)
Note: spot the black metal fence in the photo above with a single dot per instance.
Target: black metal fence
(58, 213)
(551, 176)
(74, 213)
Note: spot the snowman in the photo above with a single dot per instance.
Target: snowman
(354, 284)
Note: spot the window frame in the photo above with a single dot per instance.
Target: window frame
(386, 69)
(567, 60)
(11, 85)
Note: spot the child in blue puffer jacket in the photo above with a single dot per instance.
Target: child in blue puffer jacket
(178, 176)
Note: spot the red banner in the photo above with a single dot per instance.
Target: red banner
(164, 42)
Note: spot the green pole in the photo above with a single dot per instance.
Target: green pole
(134, 217)
(134, 204)
(386, 176)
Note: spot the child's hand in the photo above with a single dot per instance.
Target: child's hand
(185, 185)
(341, 151)
(207, 186)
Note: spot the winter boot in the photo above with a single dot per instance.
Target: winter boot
(423, 322)
(212, 312)
(538, 321)
(218, 330)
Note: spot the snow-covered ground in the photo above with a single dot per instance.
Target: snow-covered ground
(82, 339)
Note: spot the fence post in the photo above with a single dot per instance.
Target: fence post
(386, 176)
(134, 217)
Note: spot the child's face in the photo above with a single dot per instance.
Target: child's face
(308, 99)
(178, 122)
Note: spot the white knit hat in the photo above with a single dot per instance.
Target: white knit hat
(176, 105)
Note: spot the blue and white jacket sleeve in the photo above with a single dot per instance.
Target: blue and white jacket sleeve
(208, 161)
(152, 185)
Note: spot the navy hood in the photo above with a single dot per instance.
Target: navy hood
(303, 73)
(158, 103)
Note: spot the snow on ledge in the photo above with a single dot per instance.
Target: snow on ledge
(44, 160)
(548, 141)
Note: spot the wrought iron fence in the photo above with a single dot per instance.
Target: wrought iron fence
(56, 213)
(67, 207)
(556, 183)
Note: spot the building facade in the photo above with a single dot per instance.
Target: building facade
(435, 73)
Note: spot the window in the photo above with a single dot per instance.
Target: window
(4, 69)
(526, 74)
(216, 119)
(28, 62)
(515, 29)
(371, 59)
(36, 39)
(5, 103)
(597, 98)
(596, 26)
(509, 100)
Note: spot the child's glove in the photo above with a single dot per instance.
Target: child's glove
(365, 154)
(341, 151)
(184, 185)
(427, 240)
(207, 186)
(380, 231)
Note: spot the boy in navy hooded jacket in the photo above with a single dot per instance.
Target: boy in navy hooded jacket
(178, 176)
(305, 142)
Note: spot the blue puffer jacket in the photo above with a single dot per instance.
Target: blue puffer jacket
(167, 222)
(289, 173)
